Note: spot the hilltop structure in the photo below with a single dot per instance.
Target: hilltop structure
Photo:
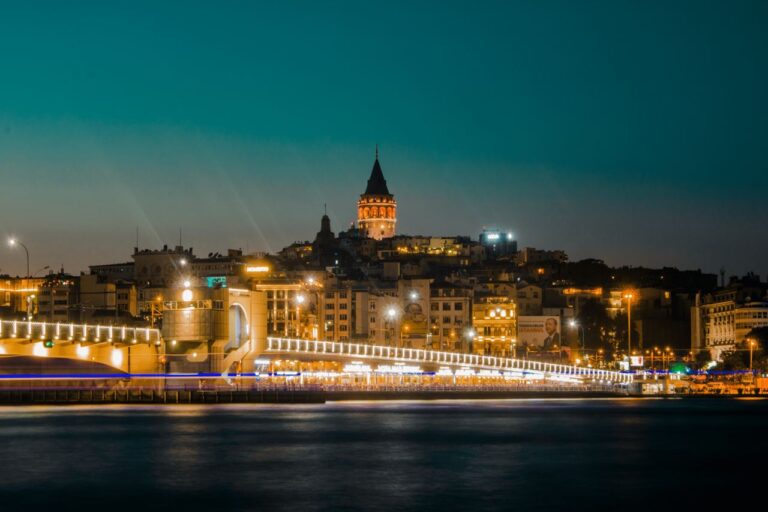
(377, 208)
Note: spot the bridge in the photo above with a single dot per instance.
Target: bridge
(341, 351)
(142, 349)
(71, 332)
(122, 347)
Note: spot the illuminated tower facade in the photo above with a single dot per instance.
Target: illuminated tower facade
(377, 209)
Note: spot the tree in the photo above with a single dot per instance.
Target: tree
(702, 359)
(759, 335)
(620, 331)
(596, 323)
(738, 358)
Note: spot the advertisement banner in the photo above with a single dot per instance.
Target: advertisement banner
(539, 331)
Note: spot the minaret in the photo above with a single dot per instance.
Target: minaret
(377, 209)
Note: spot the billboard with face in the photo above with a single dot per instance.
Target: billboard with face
(539, 331)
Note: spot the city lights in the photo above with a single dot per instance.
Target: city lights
(13, 242)
(547, 292)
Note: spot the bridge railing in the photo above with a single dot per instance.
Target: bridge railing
(435, 357)
(77, 333)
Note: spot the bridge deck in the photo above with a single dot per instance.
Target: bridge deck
(348, 351)
(92, 333)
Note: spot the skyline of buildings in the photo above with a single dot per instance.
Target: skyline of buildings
(370, 284)
(376, 198)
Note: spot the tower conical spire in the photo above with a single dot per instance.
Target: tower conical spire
(377, 185)
(377, 208)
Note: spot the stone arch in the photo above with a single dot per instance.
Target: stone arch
(239, 328)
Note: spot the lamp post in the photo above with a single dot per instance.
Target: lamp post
(751, 348)
(13, 243)
(629, 297)
(580, 330)
(470, 334)
(299, 301)
(391, 316)
(313, 286)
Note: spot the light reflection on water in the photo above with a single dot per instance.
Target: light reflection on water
(442, 455)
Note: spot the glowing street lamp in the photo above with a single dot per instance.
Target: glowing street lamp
(391, 315)
(470, 334)
(299, 300)
(629, 296)
(576, 325)
(13, 243)
(751, 348)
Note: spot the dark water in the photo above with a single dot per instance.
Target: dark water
(501, 455)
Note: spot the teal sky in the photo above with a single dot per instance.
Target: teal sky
(635, 132)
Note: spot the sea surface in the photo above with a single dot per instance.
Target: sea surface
(615, 454)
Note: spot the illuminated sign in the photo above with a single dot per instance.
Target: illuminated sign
(217, 281)
(357, 368)
(252, 269)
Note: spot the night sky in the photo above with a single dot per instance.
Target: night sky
(634, 132)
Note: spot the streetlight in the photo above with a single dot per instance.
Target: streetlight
(751, 348)
(629, 296)
(300, 299)
(13, 243)
(470, 334)
(313, 286)
(666, 357)
(580, 330)
(391, 315)
(41, 270)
